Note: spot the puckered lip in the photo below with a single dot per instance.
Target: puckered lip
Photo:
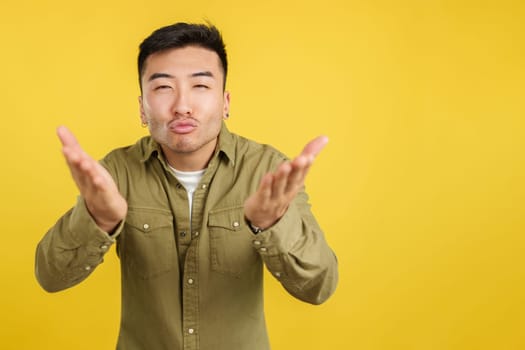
(182, 126)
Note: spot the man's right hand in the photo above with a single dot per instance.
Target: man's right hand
(103, 200)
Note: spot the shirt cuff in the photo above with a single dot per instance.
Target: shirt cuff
(276, 241)
(85, 231)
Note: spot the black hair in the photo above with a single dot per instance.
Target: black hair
(180, 35)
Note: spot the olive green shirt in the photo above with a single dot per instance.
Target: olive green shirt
(199, 284)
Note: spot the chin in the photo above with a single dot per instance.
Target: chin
(183, 147)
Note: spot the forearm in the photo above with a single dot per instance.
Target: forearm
(71, 250)
(297, 254)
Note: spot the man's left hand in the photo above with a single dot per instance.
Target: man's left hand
(277, 190)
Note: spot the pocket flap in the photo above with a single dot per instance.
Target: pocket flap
(228, 218)
(147, 220)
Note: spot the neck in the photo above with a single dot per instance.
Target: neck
(190, 161)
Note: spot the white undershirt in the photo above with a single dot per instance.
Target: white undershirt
(190, 180)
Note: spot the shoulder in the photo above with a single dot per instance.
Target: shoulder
(247, 150)
(131, 155)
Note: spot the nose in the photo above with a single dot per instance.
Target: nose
(182, 103)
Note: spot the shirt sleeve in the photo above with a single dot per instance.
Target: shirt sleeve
(71, 249)
(297, 254)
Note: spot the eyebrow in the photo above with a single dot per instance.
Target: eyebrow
(193, 75)
(203, 74)
(160, 75)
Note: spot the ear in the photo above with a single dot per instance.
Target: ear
(226, 109)
(142, 114)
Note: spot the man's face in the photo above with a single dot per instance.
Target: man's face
(183, 102)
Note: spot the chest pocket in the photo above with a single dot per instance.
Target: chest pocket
(231, 247)
(147, 244)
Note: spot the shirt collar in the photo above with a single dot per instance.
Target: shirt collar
(225, 146)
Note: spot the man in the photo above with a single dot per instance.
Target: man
(195, 211)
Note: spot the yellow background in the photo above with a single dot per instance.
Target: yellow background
(420, 190)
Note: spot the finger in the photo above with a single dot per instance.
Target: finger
(91, 173)
(312, 148)
(73, 156)
(300, 166)
(265, 188)
(66, 137)
(76, 161)
(70, 146)
(305, 160)
(280, 180)
(82, 176)
(84, 169)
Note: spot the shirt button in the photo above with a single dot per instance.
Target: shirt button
(191, 330)
(104, 247)
(87, 268)
(277, 274)
(146, 226)
(196, 233)
(257, 242)
(235, 224)
(190, 280)
(183, 234)
(263, 249)
(204, 186)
